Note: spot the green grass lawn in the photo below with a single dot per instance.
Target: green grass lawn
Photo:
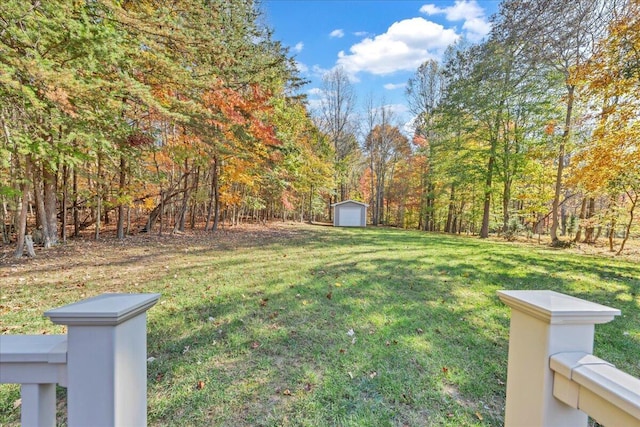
(320, 326)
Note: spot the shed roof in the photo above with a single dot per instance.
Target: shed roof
(350, 201)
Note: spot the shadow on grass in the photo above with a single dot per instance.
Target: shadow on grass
(429, 342)
(329, 326)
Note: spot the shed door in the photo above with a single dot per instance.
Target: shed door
(350, 216)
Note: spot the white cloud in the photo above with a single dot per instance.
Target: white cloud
(475, 23)
(302, 68)
(397, 109)
(339, 33)
(404, 46)
(431, 9)
(476, 28)
(298, 47)
(393, 86)
(409, 127)
(318, 71)
(360, 33)
(315, 104)
(314, 98)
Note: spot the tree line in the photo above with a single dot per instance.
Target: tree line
(182, 113)
(534, 130)
(173, 113)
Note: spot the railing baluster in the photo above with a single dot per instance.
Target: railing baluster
(38, 408)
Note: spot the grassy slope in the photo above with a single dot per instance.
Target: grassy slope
(262, 323)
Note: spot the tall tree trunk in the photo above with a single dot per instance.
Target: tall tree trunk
(121, 208)
(611, 234)
(380, 201)
(612, 225)
(583, 212)
(38, 193)
(211, 200)
(387, 213)
(506, 198)
(216, 193)
(194, 202)
(484, 230)
(5, 224)
(430, 215)
(98, 212)
(422, 212)
(76, 213)
(22, 217)
(461, 216)
(161, 212)
(374, 215)
(311, 204)
(128, 221)
(50, 205)
(634, 201)
(182, 213)
(449, 227)
(376, 206)
(588, 233)
(561, 154)
(65, 201)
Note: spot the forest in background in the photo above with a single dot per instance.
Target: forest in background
(176, 114)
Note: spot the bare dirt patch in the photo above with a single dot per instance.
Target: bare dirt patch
(84, 267)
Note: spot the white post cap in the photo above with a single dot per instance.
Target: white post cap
(556, 308)
(103, 310)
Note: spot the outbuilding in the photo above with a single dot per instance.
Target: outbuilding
(350, 214)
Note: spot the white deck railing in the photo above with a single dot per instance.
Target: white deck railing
(552, 377)
(101, 361)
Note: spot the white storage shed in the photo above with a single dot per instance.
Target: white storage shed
(350, 214)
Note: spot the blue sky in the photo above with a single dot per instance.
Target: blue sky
(379, 43)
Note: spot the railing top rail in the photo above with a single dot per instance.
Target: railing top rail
(33, 349)
(600, 378)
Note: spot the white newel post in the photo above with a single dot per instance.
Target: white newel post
(106, 359)
(544, 323)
